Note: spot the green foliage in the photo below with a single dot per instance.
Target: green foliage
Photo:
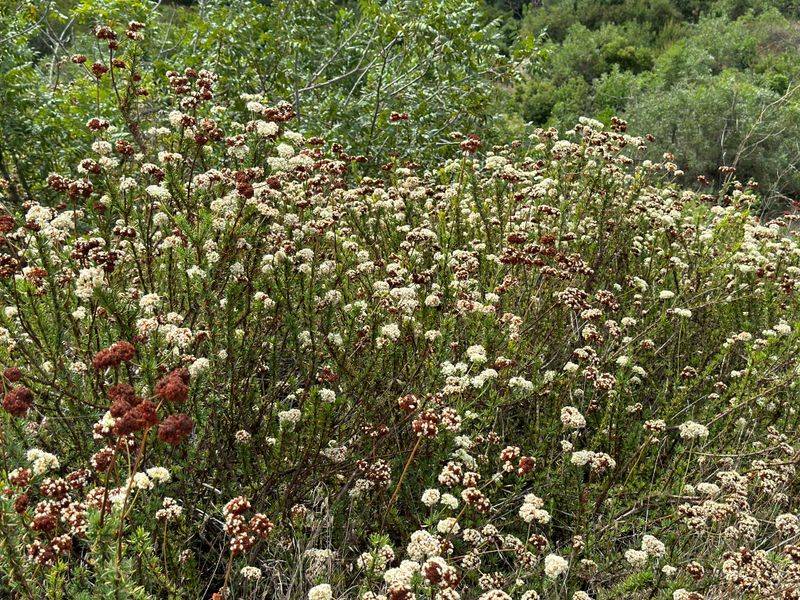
(718, 121)
(463, 65)
(715, 82)
(239, 356)
(345, 66)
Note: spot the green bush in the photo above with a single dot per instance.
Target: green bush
(723, 73)
(240, 359)
(345, 67)
(235, 362)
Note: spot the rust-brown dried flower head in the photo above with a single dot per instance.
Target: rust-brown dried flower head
(174, 386)
(175, 429)
(18, 401)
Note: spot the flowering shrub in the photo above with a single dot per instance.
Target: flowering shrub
(243, 363)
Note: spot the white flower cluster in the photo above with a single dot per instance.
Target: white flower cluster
(691, 430)
(320, 592)
(571, 418)
(636, 558)
(555, 566)
(289, 417)
(430, 497)
(170, 510)
(251, 573)
(597, 461)
(422, 545)
(531, 510)
(88, 280)
(653, 546)
(476, 354)
(42, 461)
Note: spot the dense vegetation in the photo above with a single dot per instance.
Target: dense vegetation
(353, 300)
(345, 69)
(714, 82)
(726, 72)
